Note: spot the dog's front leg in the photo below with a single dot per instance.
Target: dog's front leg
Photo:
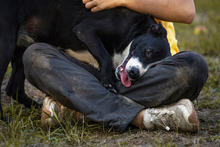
(8, 31)
(89, 37)
(15, 87)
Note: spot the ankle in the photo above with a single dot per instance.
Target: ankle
(138, 120)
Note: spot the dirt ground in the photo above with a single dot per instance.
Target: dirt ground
(209, 134)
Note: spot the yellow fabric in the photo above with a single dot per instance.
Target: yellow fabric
(171, 36)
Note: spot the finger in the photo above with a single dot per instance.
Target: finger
(97, 8)
(90, 5)
(86, 1)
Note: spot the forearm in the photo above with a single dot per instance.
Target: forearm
(169, 10)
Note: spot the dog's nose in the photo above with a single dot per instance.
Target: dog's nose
(134, 73)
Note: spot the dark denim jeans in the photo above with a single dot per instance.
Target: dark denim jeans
(76, 85)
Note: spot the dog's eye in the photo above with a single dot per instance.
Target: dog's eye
(148, 51)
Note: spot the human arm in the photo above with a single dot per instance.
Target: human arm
(182, 11)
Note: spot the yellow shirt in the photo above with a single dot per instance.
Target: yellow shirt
(171, 36)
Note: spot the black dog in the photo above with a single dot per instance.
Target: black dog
(68, 25)
(143, 52)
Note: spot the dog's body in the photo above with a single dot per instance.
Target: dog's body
(68, 25)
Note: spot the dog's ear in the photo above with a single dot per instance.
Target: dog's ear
(158, 30)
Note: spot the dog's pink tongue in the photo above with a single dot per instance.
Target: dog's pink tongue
(124, 78)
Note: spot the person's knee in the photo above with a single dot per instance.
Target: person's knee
(31, 52)
(36, 50)
(191, 74)
(194, 70)
(36, 54)
(194, 67)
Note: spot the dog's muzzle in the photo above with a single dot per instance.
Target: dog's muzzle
(133, 73)
(122, 73)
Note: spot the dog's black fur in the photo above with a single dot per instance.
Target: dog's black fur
(64, 23)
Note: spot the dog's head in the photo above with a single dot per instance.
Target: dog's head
(144, 51)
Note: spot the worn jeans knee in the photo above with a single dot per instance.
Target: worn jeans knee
(29, 57)
(194, 70)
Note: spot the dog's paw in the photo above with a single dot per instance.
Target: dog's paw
(110, 86)
(113, 90)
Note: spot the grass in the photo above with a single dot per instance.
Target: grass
(207, 44)
(23, 128)
(23, 125)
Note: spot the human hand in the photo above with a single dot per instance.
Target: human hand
(98, 5)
